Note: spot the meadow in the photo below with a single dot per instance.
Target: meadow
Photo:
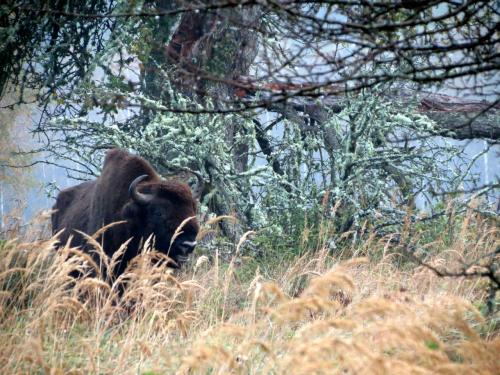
(362, 308)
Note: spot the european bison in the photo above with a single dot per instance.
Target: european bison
(128, 190)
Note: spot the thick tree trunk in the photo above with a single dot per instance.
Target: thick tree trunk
(213, 44)
(455, 117)
(462, 119)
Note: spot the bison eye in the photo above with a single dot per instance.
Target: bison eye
(157, 213)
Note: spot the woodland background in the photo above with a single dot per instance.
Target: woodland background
(321, 131)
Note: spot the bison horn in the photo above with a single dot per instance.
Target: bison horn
(135, 195)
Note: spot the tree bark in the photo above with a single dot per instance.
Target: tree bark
(462, 119)
(455, 117)
(215, 44)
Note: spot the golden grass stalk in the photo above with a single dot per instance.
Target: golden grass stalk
(316, 314)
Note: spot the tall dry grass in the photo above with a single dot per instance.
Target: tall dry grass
(317, 314)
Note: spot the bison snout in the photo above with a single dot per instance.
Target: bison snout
(181, 250)
(187, 247)
(184, 248)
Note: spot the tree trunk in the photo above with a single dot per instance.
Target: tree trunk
(462, 119)
(455, 117)
(203, 46)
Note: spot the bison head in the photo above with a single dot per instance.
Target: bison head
(159, 209)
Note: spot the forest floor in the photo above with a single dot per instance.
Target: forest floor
(362, 310)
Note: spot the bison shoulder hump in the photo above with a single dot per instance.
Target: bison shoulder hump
(115, 154)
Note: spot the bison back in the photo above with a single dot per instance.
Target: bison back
(71, 212)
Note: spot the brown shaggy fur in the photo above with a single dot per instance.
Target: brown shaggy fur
(91, 205)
